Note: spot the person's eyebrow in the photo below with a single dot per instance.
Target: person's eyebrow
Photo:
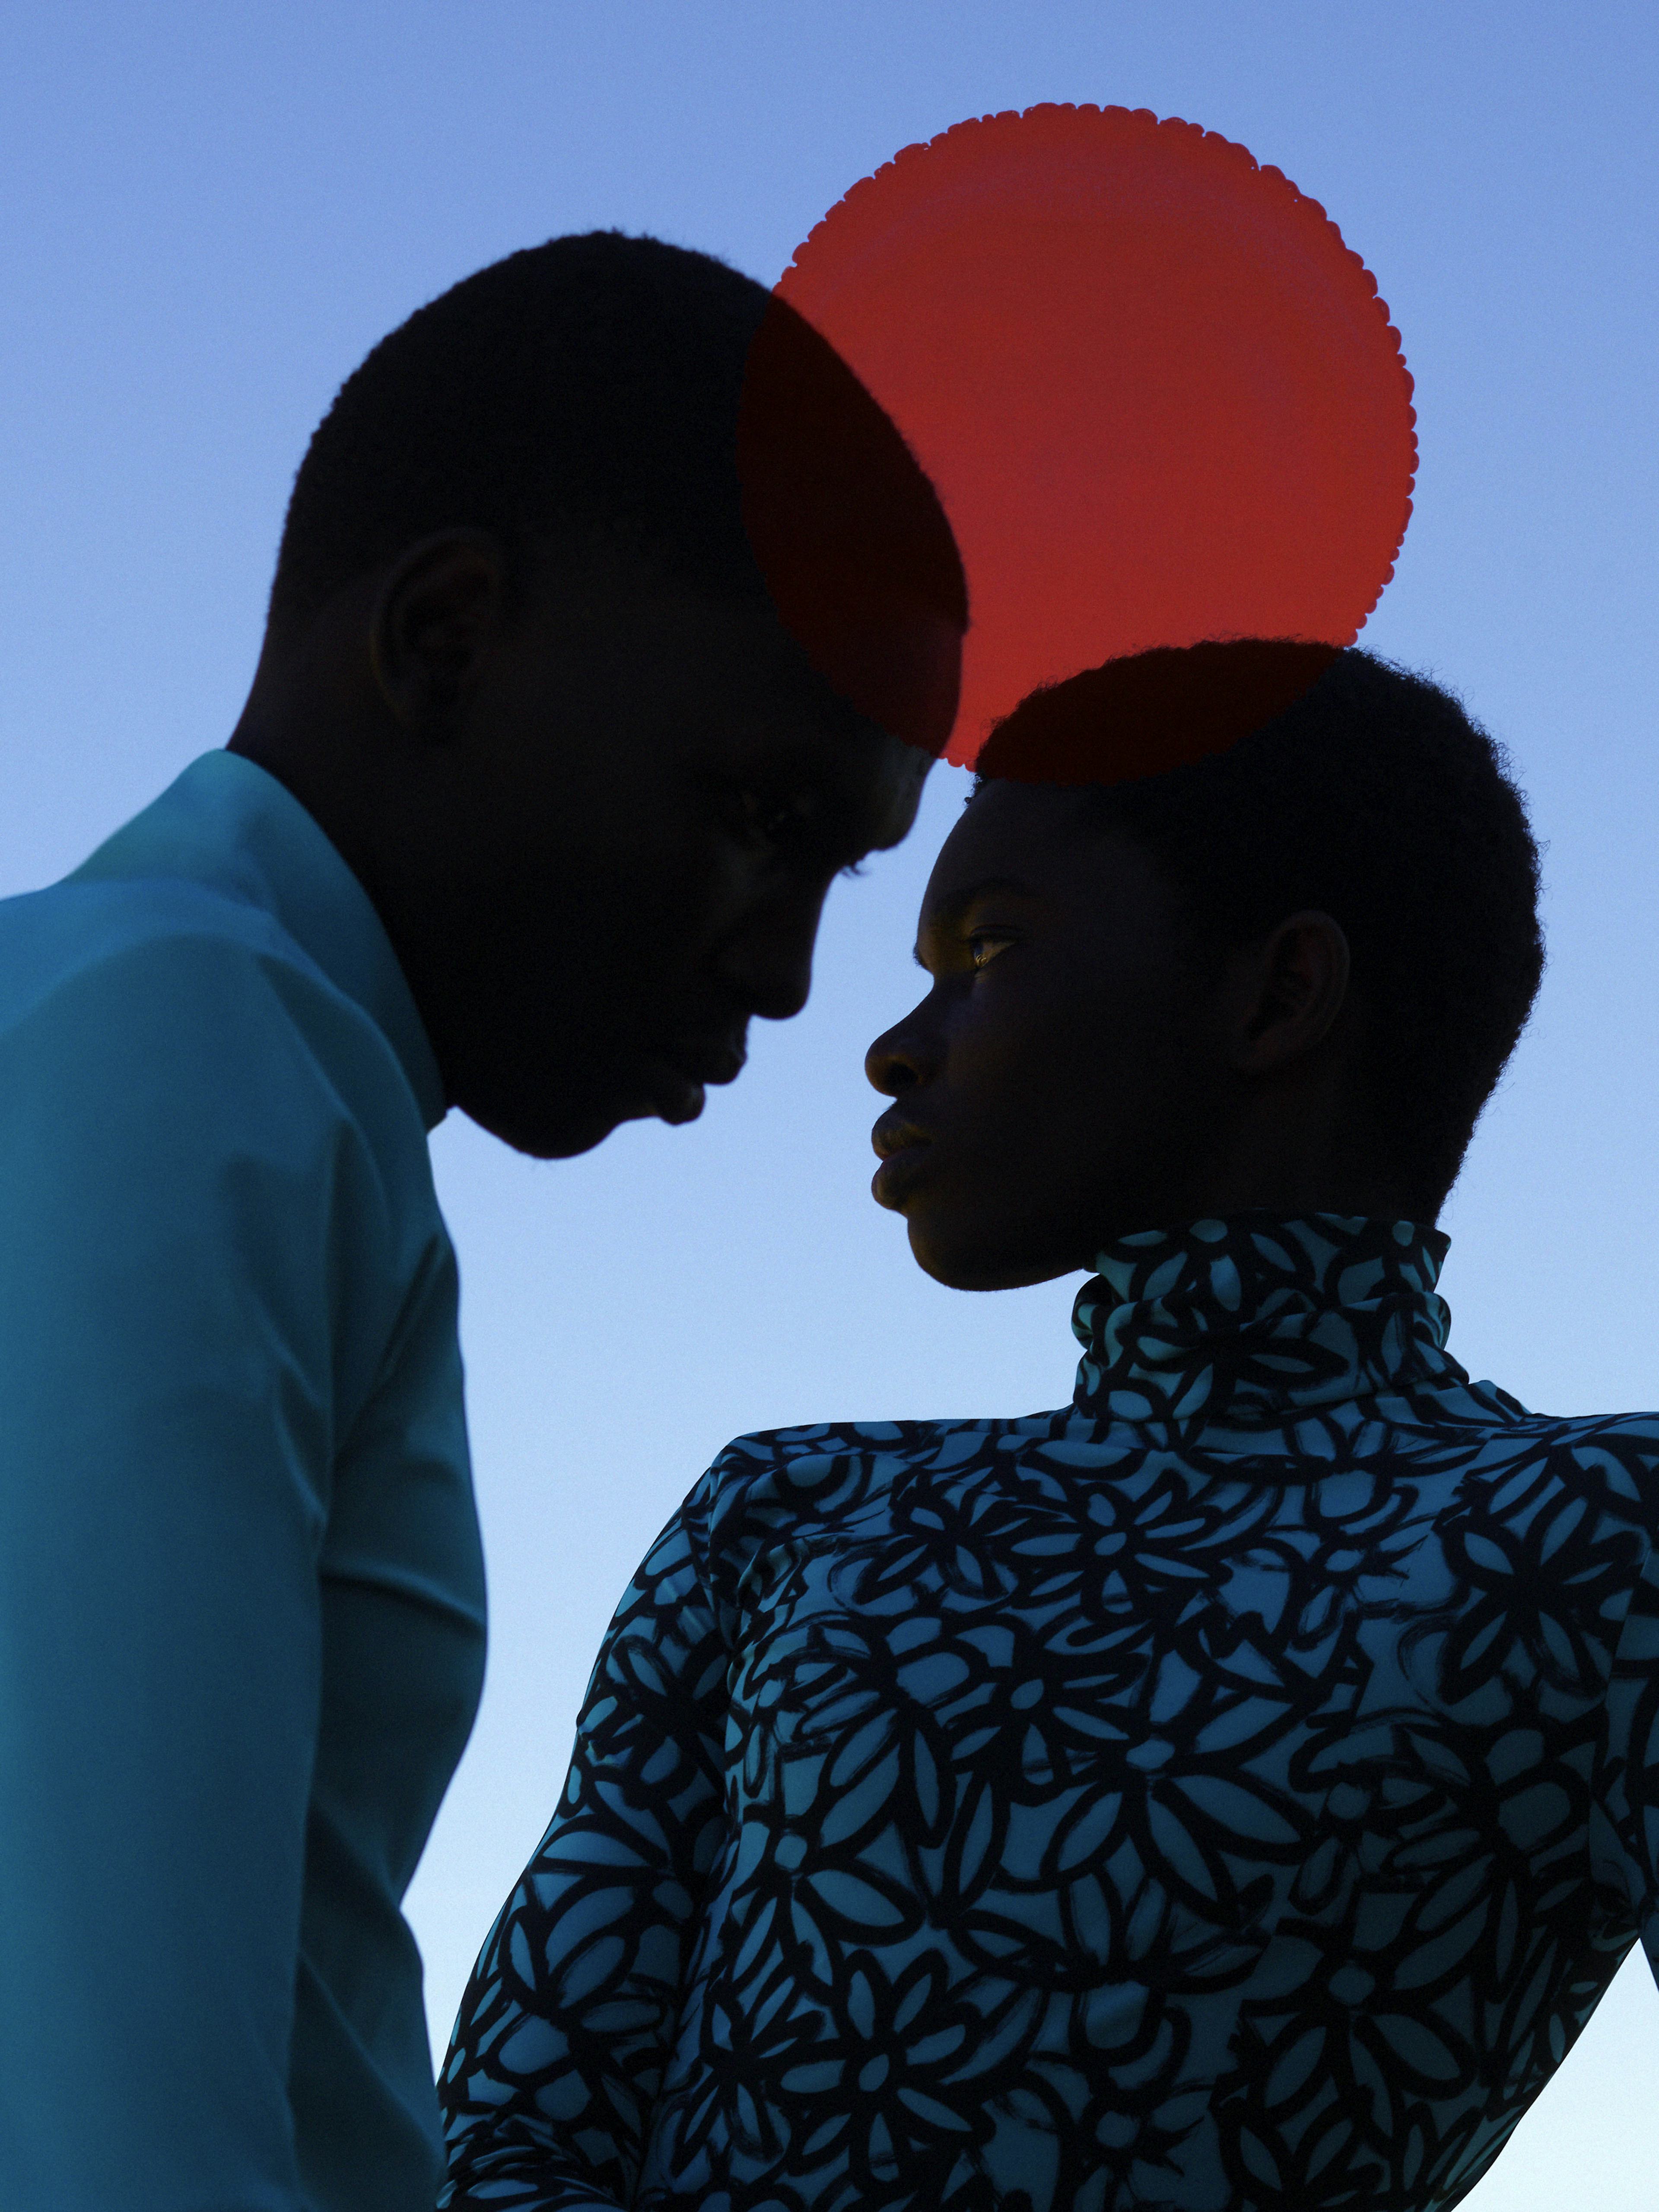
(950, 911)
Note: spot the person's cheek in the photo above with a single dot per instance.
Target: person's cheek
(1000, 1069)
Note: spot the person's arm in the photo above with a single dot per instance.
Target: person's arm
(568, 2023)
(1626, 1852)
(184, 1330)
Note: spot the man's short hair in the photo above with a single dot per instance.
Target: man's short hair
(593, 384)
(1376, 799)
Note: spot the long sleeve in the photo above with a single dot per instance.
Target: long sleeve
(192, 1230)
(568, 2024)
(1626, 1835)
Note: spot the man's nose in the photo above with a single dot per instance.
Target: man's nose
(770, 965)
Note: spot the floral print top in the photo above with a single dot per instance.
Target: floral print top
(1234, 1789)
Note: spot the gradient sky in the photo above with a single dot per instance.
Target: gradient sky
(211, 211)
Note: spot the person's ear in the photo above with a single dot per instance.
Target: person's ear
(440, 606)
(1289, 990)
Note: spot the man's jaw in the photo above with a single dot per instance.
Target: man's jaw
(557, 1111)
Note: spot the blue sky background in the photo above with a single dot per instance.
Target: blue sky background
(208, 212)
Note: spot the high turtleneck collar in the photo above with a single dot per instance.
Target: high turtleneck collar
(1252, 1321)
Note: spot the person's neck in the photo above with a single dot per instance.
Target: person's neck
(1311, 1188)
(1290, 1184)
(315, 719)
(1252, 1322)
(1297, 1146)
(314, 722)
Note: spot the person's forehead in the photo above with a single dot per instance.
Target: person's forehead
(1041, 840)
(858, 786)
(731, 693)
(1031, 832)
(769, 691)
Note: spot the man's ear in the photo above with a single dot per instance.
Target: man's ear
(1288, 991)
(440, 606)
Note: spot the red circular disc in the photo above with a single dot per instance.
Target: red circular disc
(1159, 398)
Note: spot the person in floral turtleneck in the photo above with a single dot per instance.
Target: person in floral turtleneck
(1233, 1790)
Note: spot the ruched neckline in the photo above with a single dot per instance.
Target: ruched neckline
(1251, 1321)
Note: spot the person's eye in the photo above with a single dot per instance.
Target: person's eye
(984, 944)
(762, 815)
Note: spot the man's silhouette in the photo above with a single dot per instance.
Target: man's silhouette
(533, 805)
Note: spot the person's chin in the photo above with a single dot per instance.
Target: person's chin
(950, 1261)
(559, 1124)
(933, 1226)
(659, 1092)
(561, 1137)
(963, 1251)
(647, 1088)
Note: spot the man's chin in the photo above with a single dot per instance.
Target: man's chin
(576, 1127)
(540, 1140)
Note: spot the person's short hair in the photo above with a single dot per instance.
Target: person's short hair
(1376, 799)
(594, 384)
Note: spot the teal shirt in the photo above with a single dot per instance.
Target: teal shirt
(242, 1594)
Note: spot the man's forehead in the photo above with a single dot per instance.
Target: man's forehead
(899, 794)
(854, 783)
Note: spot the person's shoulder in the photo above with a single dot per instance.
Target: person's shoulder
(1629, 1439)
(84, 927)
(801, 1449)
(1613, 1458)
(1633, 1432)
(827, 1470)
(205, 989)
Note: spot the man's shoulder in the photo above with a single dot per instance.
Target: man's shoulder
(204, 989)
(51, 938)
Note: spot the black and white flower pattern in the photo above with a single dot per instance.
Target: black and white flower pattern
(1233, 1790)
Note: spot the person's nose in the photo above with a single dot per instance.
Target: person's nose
(770, 965)
(905, 1055)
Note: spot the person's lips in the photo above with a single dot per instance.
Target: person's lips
(904, 1150)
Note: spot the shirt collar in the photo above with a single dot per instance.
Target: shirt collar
(1247, 1322)
(230, 824)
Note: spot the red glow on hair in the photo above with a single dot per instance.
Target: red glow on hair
(847, 533)
(1160, 399)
